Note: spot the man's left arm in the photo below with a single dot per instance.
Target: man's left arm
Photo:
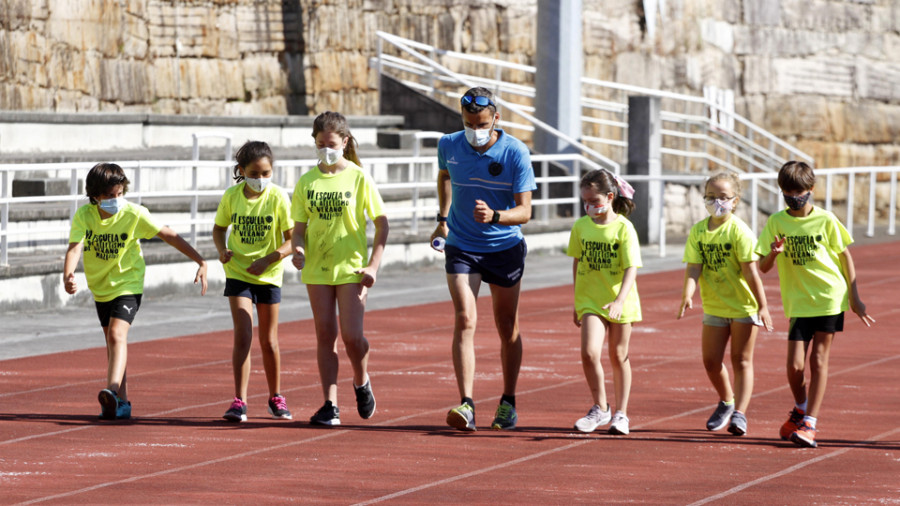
(518, 215)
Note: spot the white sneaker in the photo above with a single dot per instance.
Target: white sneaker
(619, 424)
(595, 418)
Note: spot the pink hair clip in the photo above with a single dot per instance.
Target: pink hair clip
(625, 189)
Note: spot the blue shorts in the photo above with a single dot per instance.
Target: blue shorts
(259, 294)
(804, 328)
(123, 307)
(501, 268)
(718, 321)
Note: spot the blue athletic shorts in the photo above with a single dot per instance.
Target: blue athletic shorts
(259, 294)
(501, 268)
(803, 329)
(123, 307)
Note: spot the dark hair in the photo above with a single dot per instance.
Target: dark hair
(330, 121)
(479, 91)
(603, 181)
(250, 152)
(796, 177)
(101, 178)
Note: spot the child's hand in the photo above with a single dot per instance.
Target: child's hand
(685, 304)
(778, 245)
(368, 276)
(298, 258)
(201, 278)
(225, 255)
(575, 318)
(70, 285)
(258, 266)
(615, 310)
(766, 318)
(859, 308)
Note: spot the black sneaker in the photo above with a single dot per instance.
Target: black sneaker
(328, 414)
(365, 400)
(109, 404)
(237, 412)
(278, 407)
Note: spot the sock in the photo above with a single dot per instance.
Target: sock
(801, 407)
(469, 401)
(730, 403)
(808, 420)
(510, 399)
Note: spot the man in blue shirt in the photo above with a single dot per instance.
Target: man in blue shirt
(484, 194)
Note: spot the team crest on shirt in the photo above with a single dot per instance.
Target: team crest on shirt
(495, 168)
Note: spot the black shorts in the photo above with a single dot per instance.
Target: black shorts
(501, 268)
(259, 294)
(803, 329)
(123, 307)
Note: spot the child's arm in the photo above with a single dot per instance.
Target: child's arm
(298, 245)
(72, 255)
(381, 232)
(767, 262)
(261, 264)
(691, 275)
(751, 274)
(615, 307)
(171, 238)
(574, 278)
(856, 305)
(219, 239)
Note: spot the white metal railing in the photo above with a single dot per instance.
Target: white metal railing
(699, 134)
(408, 177)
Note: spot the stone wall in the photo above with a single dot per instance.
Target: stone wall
(823, 74)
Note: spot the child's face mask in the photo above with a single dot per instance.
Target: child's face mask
(797, 203)
(328, 156)
(595, 211)
(112, 206)
(259, 184)
(719, 207)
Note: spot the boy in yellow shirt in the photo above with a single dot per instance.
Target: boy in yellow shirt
(108, 230)
(818, 282)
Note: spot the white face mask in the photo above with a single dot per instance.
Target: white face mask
(595, 211)
(719, 207)
(258, 185)
(479, 138)
(112, 206)
(328, 156)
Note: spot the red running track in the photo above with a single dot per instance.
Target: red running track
(178, 450)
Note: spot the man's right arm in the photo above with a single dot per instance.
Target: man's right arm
(445, 195)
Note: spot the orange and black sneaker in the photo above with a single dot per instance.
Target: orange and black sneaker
(804, 436)
(792, 424)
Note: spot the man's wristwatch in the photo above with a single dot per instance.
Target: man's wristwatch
(440, 219)
(495, 219)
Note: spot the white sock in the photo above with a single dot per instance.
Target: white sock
(802, 407)
(808, 420)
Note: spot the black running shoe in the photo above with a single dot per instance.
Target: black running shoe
(365, 400)
(328, 414)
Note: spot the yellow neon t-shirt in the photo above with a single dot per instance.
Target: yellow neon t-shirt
(113, 260)
(334, 207)
(257, 229)
(809, 270)
(723, 289)
(603, 253)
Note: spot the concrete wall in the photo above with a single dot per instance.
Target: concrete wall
(823, 74)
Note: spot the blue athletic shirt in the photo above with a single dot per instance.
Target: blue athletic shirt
(472, 179)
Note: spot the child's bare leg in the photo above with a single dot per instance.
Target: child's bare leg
(117, 356)
(714, 340)
(592, 334)
(242, 318)
(818, 371)
(352, 305)
(268, 343)
(743, 340)
(322, 301)
(796, 362)
(619, 337)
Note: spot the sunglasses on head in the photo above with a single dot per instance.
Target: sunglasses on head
(479, 101)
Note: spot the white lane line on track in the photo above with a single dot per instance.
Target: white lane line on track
(791, 469)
